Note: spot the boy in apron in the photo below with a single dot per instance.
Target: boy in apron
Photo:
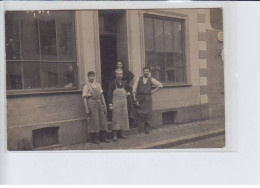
(142, 92)
(96, 109)
(118, 90)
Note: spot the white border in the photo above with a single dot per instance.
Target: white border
(125, 166)
(230, 136)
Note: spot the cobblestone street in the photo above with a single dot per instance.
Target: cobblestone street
(204, 134)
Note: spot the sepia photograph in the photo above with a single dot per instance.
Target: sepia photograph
(115, 79)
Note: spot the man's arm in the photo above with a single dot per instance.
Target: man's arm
(135, 88)
(128, 76)
(157, 84)
(86, 104)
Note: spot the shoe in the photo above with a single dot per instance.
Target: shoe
(103, 137)
(121, 135)
(147, 128)
(95, 142)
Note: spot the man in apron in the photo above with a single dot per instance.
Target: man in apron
(95, 109)
(142, 92)
(128, 78)
(118, 90)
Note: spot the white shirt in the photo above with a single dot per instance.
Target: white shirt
(154, 82)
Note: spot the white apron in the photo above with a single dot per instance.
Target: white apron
(120, 113)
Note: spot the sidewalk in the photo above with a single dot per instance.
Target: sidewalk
(166, 137)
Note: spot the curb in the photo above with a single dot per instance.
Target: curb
(181, 140)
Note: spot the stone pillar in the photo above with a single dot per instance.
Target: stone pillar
(87, 40)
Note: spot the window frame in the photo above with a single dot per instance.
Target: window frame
(13, 92)
(163, 15)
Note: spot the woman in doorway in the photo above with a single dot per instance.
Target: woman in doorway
(96, 109)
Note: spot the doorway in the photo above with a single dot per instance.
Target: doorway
(108, 55)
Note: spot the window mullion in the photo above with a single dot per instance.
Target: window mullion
(21, 57)
(40, 52)
(166, 75)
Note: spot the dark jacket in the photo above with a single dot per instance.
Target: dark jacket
(112, 86)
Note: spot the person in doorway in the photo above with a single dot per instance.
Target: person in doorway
(142, 92)
(127, 75)
(118, 90)
(96, 109)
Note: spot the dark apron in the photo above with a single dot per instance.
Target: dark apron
(120, 113)
(98, 118)
(143, 95)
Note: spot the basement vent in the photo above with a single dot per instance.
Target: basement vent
(45, 136)
(169, 118)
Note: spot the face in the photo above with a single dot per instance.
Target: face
(146, 72)
(119, 65)
(91, 78)
(119, 75)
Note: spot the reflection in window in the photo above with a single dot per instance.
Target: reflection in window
(40, 49)
(14, 75)
(164, 48)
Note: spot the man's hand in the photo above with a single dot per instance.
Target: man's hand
(105, 109)
(87, 111)
(110, 106)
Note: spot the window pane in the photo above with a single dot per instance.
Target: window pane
(178, 60)
(48, 35)
(12, 36)
(159, 36)
(166, 59)
(31, 75)
(29, 36)
(170, 76)
(65, 35)
(67, 75)
(149, 33)
(179, 75)
(13, 75)
(149, 58)
(169, 60)
(177, 27)
(50, 75)
(168, 35)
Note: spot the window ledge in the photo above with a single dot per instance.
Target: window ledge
(175, 85)
(17, 93)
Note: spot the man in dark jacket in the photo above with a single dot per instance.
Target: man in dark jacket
(118, 90)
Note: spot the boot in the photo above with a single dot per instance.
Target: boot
(147, 128)
(121, 135)
(114, 132)
(103, 136)
(94, 139)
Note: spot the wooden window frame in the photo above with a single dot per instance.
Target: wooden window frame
(13, 92)
(172, 17)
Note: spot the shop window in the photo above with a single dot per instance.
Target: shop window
(164, 48)
(40, 50)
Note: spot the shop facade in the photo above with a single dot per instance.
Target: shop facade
(49, 53)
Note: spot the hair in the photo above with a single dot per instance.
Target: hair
(120, 62)
(146, 68)
(90, 73)
(118, 70)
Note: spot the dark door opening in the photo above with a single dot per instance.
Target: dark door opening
(108, 54)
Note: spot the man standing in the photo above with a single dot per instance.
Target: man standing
(142, 91)
(118, 90)
(127, 77)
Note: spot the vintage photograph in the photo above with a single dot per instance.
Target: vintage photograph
(114, 79)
